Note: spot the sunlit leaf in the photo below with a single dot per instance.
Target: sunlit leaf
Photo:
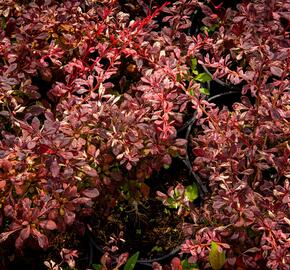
(217, 259)
(191, 192)
(203, 77)
(193, 66)
(204, 91)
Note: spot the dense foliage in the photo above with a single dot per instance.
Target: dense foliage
(93, 93)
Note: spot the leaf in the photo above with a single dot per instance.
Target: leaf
(4, 236)
(179, 191)
(89, 171)
(69, 217)
(48, 225)
(91, 193)
(188, 266)
(131, 261)
(191, 192)
(145, 190)
(276, 71)
(175, 264)
(24, 234)
(193, 66)
(97, 266)
(216, 258)
(41, 238)
(204, 91)
(121, 260)
(101, 90)
(54, 168)
(2, 184)
(172, 203)
(35, 124)
(203, 77)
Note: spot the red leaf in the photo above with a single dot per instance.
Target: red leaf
(176, 264)
(122, 259)
(5, 165)
(44, 149)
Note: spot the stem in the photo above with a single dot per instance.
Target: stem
(232, 87)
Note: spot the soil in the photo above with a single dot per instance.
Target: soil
(150, 230)
(146, 226)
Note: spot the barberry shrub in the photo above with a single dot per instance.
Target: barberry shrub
(92, 94)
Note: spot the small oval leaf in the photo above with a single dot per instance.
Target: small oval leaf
(217, 259)
(203, 77)
(91, 193)
(191, 192)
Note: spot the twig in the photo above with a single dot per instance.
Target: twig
(223, 94)
(188, 123)
(202, 188)
(233, 87)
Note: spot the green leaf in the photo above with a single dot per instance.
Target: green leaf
(204, 91)
(157, 249)
(188, 266)
(193, 66)
(191, 192)
(132, 261)
(172, 203)
(217, 259)
(204, 28)
(3, 23)
(203, 77)
(97, 267)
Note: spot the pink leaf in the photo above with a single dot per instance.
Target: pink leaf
(54, 168)
(69, 217)
(122, 259)
(24, 234)
(248, 172)
(48, 225)
(4, 236)
(90, 171)
(2, 184)
(91, 193)
(41, 238)
(276, 71)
